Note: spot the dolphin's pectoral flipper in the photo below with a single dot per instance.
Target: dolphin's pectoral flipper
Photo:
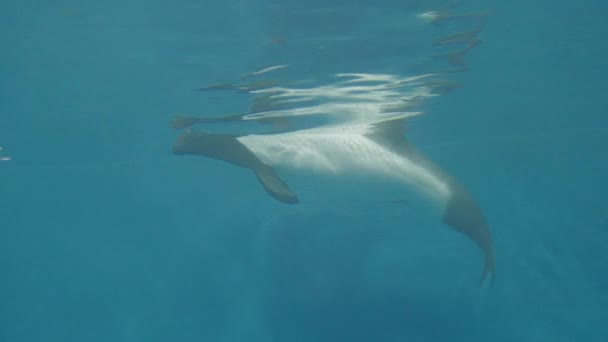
(229, 149)
(274, 185)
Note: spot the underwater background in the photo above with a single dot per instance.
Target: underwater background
(107, 236)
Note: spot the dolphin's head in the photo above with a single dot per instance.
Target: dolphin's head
(199, 142)
(185, 143)
(228, 148)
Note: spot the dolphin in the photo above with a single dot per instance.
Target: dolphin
(378, 148)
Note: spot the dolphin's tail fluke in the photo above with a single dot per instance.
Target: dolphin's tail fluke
(464, 215)
(489, 269)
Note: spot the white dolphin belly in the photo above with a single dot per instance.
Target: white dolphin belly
(344, 150)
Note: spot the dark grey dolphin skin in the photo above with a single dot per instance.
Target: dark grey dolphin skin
(227, 148)
(461, 212)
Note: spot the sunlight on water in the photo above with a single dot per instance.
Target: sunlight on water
(361, 98)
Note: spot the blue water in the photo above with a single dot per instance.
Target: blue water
(107, 236)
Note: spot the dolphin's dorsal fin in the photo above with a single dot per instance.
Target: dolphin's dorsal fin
(391, 134)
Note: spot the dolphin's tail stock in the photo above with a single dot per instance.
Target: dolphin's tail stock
(229, 149)
(461, 211)
(465, 216)
(489, 268)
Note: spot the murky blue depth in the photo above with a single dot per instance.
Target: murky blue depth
(105, 235)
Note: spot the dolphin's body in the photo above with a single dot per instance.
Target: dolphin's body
(377, 149)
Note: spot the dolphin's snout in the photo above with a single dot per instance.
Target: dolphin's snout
(183, 143)
(179, 147)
